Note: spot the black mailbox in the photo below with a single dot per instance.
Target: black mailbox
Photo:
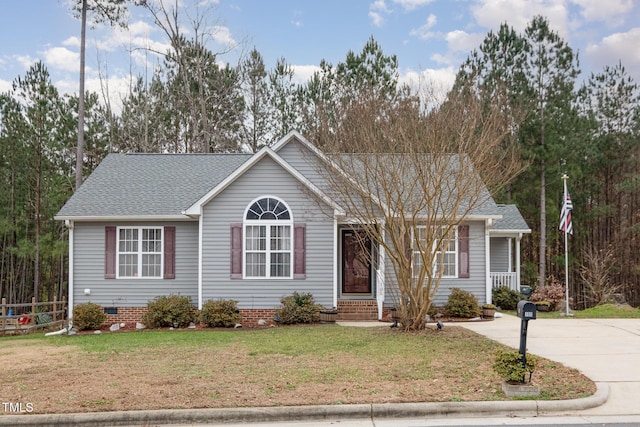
(526, 310)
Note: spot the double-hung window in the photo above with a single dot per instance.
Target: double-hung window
(444, 250)
(139, 252)
(268, 236)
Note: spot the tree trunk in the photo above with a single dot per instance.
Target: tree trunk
(80, 148)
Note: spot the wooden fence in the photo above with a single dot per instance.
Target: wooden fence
(29, 316)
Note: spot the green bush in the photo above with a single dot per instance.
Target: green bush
(174, 310)
(508, 365)
(462, 304)
(88, 316)
(298, 308)
(505, 298)
(220, 314)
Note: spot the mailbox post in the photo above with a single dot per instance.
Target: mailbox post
(526, 311)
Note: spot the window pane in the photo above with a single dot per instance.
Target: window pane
(280, 238)
(256, 265)
(128, 265)
(128, 241)
(280, 264)
(256, 238)
(151, 265)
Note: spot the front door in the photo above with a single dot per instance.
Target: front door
(356, 263)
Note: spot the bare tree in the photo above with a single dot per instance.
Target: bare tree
(205, 95)
(409, 176)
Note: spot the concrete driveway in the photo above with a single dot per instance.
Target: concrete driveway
(605, 350)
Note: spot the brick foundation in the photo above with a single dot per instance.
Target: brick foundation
(347, 310)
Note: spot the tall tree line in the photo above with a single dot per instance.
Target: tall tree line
(193, 102)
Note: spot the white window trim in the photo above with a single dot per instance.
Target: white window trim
(268, 224)
(436, 252)
(140, 253)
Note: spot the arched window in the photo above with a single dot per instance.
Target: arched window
(268, 239)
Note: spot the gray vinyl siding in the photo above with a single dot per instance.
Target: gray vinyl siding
(476, 283)
(304, 161)
(88, 273)
(499, 254)
(266, 178)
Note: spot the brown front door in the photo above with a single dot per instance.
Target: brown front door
(356, 263)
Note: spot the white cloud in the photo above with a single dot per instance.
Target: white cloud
(376, 19)
(25, 61)
(461, 41)
(223, 36)
(140, 28)
(302, 73)
(519, 13)
(62, 58)
(611, 11)
(424, 32)
(376, 11)
(412, 4)
(5, 86)
(616, 47)
(72, 42)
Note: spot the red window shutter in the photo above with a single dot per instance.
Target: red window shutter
(236, 251)
(169, 252)
(300, 251)
(463, 252)
(110, 252)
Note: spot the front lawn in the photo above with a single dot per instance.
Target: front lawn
(297, 365)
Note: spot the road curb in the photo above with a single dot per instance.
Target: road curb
(523, 408)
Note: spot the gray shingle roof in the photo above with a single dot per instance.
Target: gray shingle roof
(511, 220)
(126, 185)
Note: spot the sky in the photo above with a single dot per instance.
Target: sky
(430, 38)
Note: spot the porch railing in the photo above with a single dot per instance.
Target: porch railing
(506, 279)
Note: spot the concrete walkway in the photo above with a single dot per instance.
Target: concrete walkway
(605, 350)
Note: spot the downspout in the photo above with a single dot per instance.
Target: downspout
(200, 228)
(70, 226)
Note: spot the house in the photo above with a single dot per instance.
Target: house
(247, 227)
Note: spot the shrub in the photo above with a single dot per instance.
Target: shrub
(552, 292)
(508, 365)
(88, 316)
(505, 298)
(174, 310)
(462, 304)
(220, 313)
(298, 308)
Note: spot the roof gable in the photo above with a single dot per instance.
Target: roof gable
(195, 208)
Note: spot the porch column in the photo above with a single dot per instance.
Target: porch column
(518, 261)
(380, 285)
(336, 261)
(487, 261)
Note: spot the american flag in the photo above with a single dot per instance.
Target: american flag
(565, 213)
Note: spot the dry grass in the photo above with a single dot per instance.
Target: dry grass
(269, 367)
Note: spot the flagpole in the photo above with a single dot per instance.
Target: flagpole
(566, 251)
